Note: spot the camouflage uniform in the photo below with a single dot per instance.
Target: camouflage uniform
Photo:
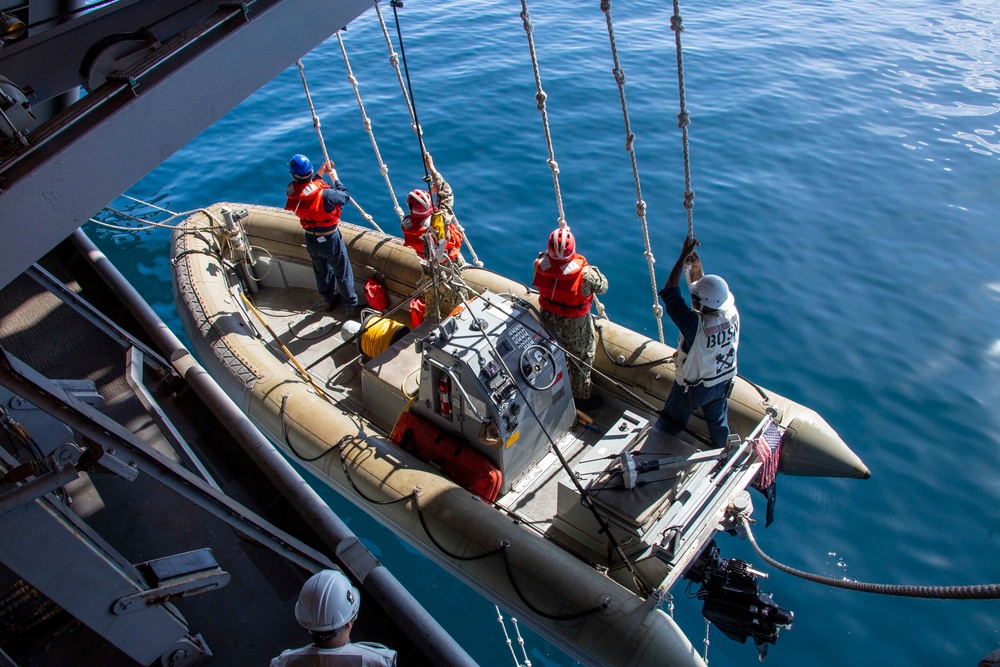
(448, 298)
(577, 335)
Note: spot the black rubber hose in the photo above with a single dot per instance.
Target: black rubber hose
(970, 592)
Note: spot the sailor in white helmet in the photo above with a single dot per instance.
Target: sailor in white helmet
(706, 352)
(327, 607)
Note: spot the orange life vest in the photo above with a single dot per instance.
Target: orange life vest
(306, 201)
(413, 236)
(560, 286)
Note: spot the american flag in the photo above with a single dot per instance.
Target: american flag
(768, 446)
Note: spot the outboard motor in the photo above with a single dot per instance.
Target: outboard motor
(734, 601)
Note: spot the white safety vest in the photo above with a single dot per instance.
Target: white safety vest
(712, 357)
(355, 654)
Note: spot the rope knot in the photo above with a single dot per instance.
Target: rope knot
(630, 141)
(394, 59)
(526, 19)
(640, 208)
(683, 119)
(657, 310)
(677, 23)
(689, 199)
(352, 79)
(316, 123)
(553, 165)
(540, 96)
(605, 6)
(368, 124)
(619, 75)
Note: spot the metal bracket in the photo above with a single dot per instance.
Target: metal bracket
(182, 575)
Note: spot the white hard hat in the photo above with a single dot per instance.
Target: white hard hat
(712, 290)
(327, 602)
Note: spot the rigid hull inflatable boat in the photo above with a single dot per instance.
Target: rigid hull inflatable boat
(462, 436)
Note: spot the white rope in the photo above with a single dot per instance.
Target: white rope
(520, 640)
(540, 98)
(510, 644)
(394, 61)
(708, 626)
(382, 167)
(319, 133)
(640, 204)
(150, 224)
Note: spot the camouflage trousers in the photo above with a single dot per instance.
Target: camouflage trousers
(577, 336)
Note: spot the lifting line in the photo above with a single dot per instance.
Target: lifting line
(640, 204)
(319, 133)
(407, 89)
(540, 97)
(683, 118)
(382, 167)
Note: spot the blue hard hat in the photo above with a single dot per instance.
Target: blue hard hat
(300, 166)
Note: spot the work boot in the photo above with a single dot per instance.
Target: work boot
(332, 303)
(592, 403)
(352, 311)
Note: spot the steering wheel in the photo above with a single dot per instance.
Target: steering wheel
(532, 369)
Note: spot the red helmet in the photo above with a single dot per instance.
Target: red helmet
(420, 203)
(562, 245)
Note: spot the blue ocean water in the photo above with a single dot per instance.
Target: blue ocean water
(846, 159)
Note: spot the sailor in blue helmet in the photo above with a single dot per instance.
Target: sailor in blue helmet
(318, 207)
(706, 353)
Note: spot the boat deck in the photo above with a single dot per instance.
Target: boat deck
(298, 317)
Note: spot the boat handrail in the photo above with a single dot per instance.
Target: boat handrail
(450, 372)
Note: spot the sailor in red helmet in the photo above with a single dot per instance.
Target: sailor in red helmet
(318, 207)
(566, 288)
(420, 234)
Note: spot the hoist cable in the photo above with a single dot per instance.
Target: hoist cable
(683, 118)
(969, 592)
(640, 204)
(540, 97)
(394, 61)
(382, 167)
(413, 104)
(319, 133)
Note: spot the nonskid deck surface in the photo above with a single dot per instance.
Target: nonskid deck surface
(313, 336)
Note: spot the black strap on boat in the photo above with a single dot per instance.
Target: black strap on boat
(502, 549)
(395, 4)
(504, 545)
(969, 592)
(284, 436)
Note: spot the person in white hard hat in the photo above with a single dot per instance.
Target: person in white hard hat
(706, 352)
(327, 607)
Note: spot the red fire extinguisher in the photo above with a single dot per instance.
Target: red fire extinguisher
(444, 394)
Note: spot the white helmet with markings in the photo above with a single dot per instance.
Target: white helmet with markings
(327, 602)
(711, 290)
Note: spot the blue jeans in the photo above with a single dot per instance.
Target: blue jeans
(682, 401)
(333, 270)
